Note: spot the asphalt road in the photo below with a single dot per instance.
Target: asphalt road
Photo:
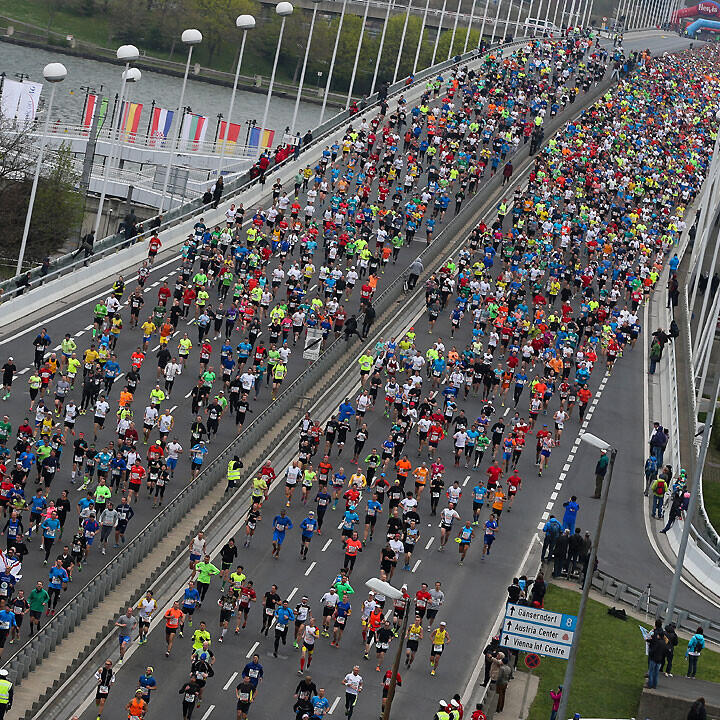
(78, 321)
(473, 593)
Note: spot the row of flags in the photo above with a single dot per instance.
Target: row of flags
(194, 126)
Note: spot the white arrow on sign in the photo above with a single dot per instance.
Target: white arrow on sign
(543, 632)
(535, 645)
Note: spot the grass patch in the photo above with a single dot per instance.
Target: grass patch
(611, 663)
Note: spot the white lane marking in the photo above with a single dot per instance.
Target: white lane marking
(416, 565)
(335, 704)
(507, 410)
(207, 713)
(326, 545)
(173, 408)
(430, 542)
(23, 371)
(310, 568)
(465, 482)
(251, 651)
(292, 594)
(79, 333)
(229, 682)
(89, 327)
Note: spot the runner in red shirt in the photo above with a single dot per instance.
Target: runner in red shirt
(153, 248)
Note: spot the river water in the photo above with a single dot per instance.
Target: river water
(203, 98)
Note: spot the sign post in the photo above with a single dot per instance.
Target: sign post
(531, 662)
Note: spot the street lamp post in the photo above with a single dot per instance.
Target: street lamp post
(439, 31)
(469, 28)
(284, 10)
(380, 48)
(133, 76)
(482, 26)
(332, 61)
(600, 444)
(454, 30)
(402, 42)
(53, 73)
(244, 23)
(128, 53)
(191, 38)
(304, 66)
(390, 591)
(422, 30)
(497, 17)
(357, 54)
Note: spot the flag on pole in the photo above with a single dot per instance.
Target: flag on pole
(233, 134)
(90, 106)
(131, 119)
(160, 124)
(194, 128)
(262, 137)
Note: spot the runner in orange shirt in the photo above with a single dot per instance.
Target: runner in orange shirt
(173, 617)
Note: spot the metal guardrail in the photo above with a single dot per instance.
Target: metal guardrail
(644, 600)
(111, 244)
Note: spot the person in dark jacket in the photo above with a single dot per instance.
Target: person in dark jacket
(560, 552)
(672, 638)
(575, 544)
(697, 710)
(489, 653)
(217, 191)
(538, 590)
(552, 530)
(350, 328)
(370, 316)
(657, 649)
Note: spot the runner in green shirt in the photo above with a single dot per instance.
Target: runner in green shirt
(38, 600)
(205, 570)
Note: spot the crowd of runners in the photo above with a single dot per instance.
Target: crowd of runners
(541, 300)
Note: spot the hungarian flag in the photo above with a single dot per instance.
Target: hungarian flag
(160, 124)
(233, 133)
(194, 128)
(261, 137)
(131, 119)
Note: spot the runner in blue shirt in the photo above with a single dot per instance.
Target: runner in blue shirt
(283, 617)
(320, 704)
(7, 623)
(191, 600)
(254, 671)
(373, 508)
(147, 683)
(50, 529)
(198, 453)
(281, 523)
(308, 526)
(478, 496)
(58, 580)
(490, 528)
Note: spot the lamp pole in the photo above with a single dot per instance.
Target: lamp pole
(391, 592)
(439, 31)
(467, 34)
(304, 66)
(284, 10)
(570, 669)
(128, 53)
(402, 41)
(422, 31)
(380, 48)
(332, 61)
(244, 23)
(357, 54)
(482, 27)
(191, 38)
(454, 30)
(54, 73)
(497, 17)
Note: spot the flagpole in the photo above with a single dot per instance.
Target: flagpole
(152, 112)
(190, 37)
(244, 23)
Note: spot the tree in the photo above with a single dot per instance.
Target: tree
(58, 206)
(216, 20)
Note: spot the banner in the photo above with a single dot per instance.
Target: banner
(263, 137)
(194, 128)
(20, 101)
(160, 124)
(232, 136)
(131, 120)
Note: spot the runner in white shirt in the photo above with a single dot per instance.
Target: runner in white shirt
(147, 606)
(353, 683)
(173, 450)
(447, 516)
